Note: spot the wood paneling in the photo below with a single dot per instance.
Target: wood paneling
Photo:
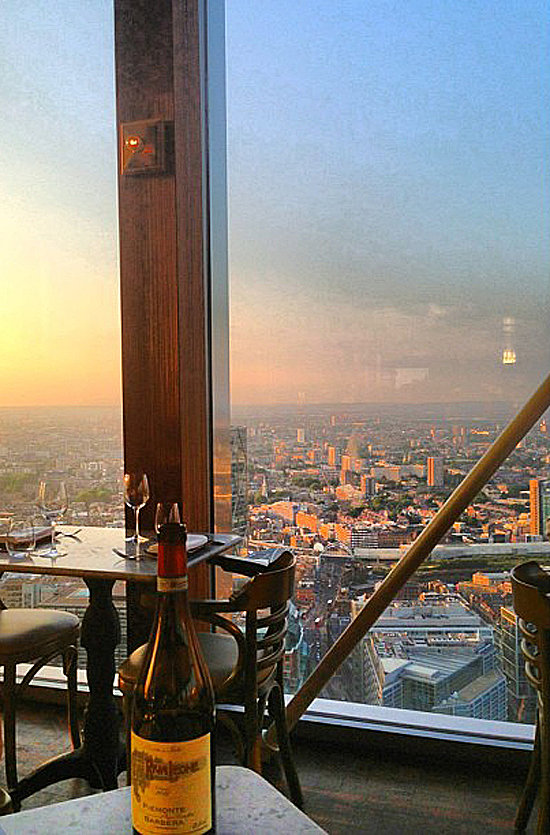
(163, 252)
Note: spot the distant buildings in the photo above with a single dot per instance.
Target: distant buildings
(522, 698)
(239, 480)
(539, 507)
(368, 486)
(435, 474)
(444, 624)
(462, 681)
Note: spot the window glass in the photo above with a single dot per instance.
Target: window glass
(389, 262)
(60, 408)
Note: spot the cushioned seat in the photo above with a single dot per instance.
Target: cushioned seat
(26, 633)
(34, 636)
(220, 652)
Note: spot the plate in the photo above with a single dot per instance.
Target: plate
(194, 542)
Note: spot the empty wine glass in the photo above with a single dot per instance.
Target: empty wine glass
(136, 495)
(166, 512)
(52, 502)
(21, 536)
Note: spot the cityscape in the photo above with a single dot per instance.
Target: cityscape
(348, 488)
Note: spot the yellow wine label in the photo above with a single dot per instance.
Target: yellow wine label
(171, 788)
(172, 583)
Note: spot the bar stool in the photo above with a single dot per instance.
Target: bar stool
(246, 667)
(34, 636)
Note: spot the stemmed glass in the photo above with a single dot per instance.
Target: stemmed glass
(136, 495)
(52, 502)
(166, 512)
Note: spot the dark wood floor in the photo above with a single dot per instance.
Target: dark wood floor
(347, 790)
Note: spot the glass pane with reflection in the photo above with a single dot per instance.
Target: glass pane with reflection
(389, 251)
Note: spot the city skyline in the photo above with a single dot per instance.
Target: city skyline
(388, 179)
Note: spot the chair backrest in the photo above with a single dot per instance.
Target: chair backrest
(531, 590)
(264, 601)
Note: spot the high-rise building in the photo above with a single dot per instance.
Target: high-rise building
(435, 472)
(346, 463)
(331, 453)
(301, 436)
(483, 698)
(539, 507)
(368, 485)
(460, 681)
(239, 479)
(522, 698)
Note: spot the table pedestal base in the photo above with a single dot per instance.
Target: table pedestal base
(102, 756)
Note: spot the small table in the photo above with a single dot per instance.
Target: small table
(246, 805)
(91, 557)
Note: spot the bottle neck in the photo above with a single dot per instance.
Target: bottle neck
(172, 567)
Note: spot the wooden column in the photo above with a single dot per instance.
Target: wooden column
(165, 235)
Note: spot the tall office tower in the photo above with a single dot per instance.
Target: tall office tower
(301, 436)
(239, 479)
(522, 699)
(345, 470)
(539, 507)
(368, 485)
(332, 456)
(459, 435)
(435, 472)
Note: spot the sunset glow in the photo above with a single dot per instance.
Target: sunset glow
(388, 174)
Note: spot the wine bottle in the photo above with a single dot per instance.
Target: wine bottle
(173, 711)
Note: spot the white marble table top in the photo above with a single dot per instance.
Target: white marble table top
(91, 554)
(246, 805)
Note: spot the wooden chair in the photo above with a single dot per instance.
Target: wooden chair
(531, 589)
(246, 666)
(34, 636)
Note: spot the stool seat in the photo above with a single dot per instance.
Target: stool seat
(28, 633)
(36, 636)
(220, 653)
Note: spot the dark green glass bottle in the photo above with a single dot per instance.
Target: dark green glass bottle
(173, 716)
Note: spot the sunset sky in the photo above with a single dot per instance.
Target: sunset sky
(388, 181)
(60, 332)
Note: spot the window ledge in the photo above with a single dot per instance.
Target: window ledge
(417, 723)
(348, 715)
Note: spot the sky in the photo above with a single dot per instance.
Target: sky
(59, 317)
(388, 201)
(388, 174)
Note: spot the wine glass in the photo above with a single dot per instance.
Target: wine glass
(136, 495)
(52, 502)
(21, 536)
(166, 512)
